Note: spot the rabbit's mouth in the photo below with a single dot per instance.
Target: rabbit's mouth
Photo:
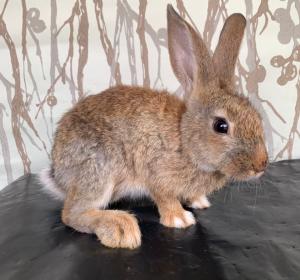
(251, 176)
(244, 175)
(255, 176)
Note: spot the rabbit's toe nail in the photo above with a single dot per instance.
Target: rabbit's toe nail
(201, 203)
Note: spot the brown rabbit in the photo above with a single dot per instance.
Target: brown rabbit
(133, 142)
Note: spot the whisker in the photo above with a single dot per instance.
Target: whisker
(256, 194)
(225, 196)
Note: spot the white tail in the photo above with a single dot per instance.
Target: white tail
(49, 184)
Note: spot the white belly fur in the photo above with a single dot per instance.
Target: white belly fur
(131, 191)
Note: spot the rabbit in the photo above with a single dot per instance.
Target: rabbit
(136, 142)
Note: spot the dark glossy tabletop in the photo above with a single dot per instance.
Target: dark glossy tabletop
(250, 232)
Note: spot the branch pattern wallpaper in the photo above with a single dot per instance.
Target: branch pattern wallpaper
(53, 53)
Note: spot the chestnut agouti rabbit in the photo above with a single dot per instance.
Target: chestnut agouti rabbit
(134, 141)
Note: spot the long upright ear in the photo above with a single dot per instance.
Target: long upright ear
(227, 50)
(189, 56)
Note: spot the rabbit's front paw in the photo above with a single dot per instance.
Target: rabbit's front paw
(178, 220)
(201, 203)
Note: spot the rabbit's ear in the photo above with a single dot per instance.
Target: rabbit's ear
(227, 50)
(189, 56)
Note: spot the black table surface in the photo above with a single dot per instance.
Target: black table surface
(252, 231)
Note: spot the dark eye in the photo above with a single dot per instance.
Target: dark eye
(220, 125)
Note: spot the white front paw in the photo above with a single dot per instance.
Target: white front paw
(184, 219)
(189, 218)
(201, 203)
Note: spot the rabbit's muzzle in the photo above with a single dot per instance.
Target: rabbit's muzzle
(260, 159)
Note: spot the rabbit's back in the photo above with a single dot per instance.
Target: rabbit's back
(122, 129)
(122, 113)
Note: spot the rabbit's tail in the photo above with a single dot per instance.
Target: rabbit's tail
(49, 186)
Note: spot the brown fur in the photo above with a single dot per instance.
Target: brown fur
(132, 141)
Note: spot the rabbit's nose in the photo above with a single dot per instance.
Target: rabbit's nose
(261, 166)
(260, 160)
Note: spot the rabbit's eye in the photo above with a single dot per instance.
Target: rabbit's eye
(220, 125)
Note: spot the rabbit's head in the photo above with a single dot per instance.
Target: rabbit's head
(221, 130)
